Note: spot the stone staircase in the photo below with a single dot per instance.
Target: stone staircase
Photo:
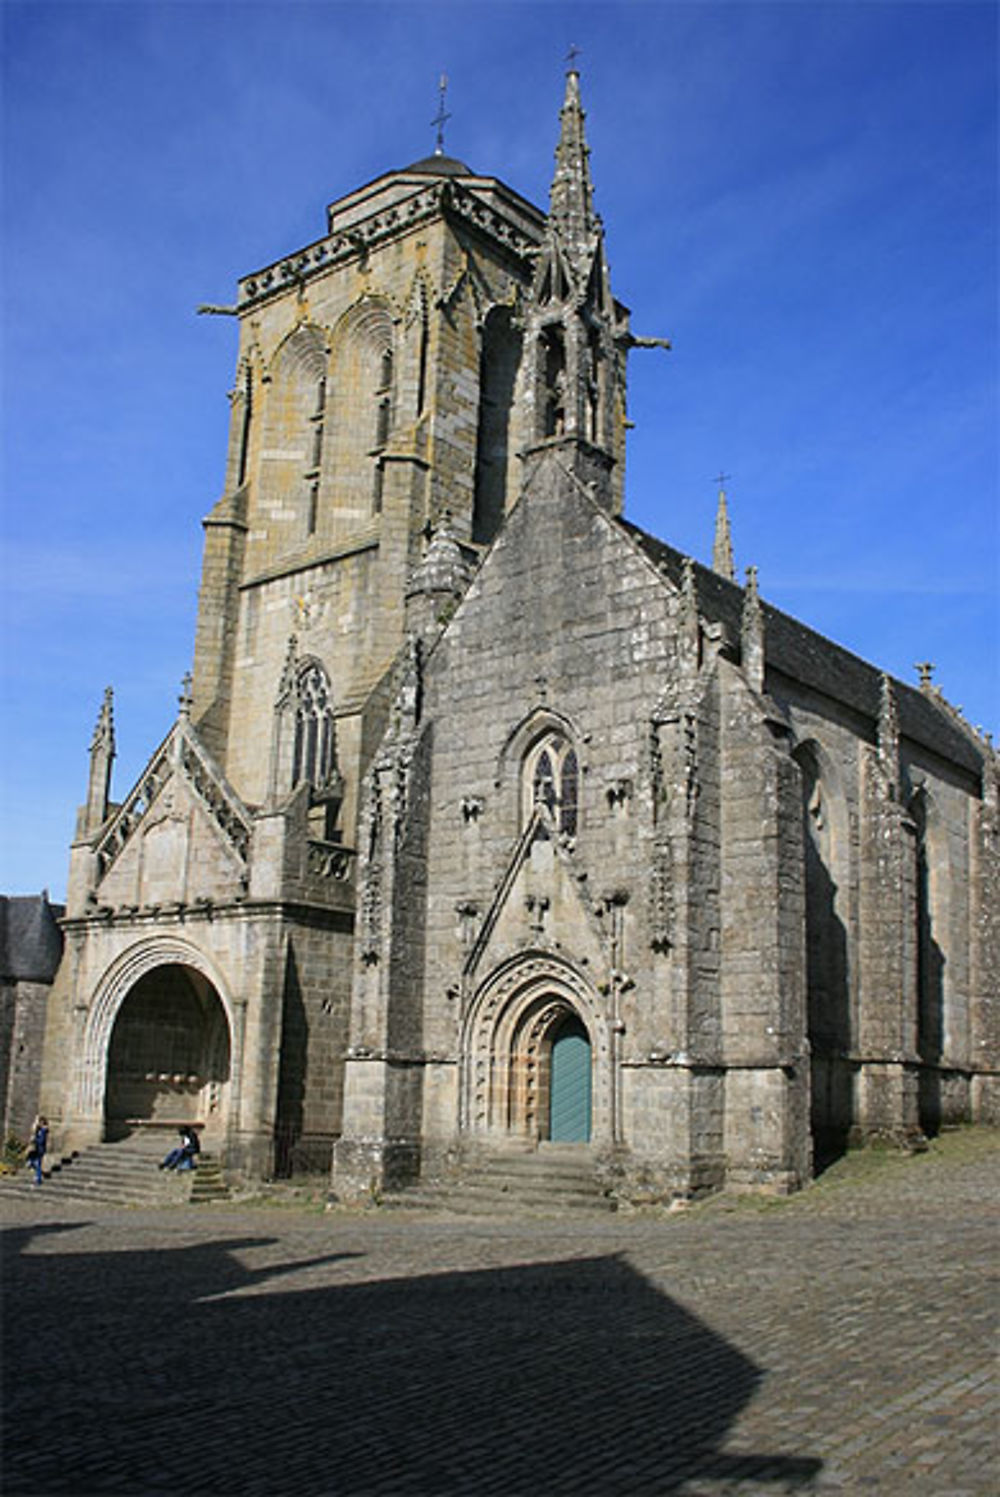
(551, 1180)
(122, 1174)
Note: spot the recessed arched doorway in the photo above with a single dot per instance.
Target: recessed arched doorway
(531, 1014)
(549, 1067)
(569, 1082)
(169, 1054)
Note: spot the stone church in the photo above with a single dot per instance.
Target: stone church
(488, 820)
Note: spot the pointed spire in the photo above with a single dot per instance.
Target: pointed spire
(722, 550)
(437, 583)
(102, 754)
(289, 671)
(574, 332)
(571, 199)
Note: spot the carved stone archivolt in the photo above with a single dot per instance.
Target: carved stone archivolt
(509, 1020)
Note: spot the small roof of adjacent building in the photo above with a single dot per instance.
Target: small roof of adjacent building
(31, 942)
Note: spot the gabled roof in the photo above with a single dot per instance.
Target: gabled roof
(30, 940)
(815, 661)
(181, 753)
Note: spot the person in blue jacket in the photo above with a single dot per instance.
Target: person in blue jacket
(182, 1157)
(39, 1144)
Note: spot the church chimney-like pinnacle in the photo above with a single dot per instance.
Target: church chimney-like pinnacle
(752, 633)
(722, 549)
(102, 755)
(571, 199)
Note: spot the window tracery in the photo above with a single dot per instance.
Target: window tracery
(551, 784)
(313, 752)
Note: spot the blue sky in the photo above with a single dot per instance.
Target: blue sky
(801, 195)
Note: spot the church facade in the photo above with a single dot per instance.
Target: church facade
(488, 819)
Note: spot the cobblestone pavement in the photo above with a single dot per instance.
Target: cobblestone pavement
(839, 1342)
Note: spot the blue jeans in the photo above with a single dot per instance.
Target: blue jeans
(179, 1158)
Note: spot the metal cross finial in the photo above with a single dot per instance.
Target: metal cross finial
(723, 479)
(571, 56)
(442, 116)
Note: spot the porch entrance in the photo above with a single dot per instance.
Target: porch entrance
(169, 1054)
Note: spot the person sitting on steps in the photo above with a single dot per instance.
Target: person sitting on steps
(182, 1157)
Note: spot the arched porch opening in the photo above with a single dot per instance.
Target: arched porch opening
(168, 1057)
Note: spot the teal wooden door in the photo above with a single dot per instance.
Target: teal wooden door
(569, 1099)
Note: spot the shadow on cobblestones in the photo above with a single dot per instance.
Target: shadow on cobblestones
(184, 1371)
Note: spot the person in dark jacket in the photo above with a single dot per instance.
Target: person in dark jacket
(182, 1157)
(39, 1144)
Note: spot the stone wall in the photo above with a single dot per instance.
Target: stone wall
(23, 1007)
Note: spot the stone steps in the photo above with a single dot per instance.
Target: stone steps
(552, 1180)
(123, 1174)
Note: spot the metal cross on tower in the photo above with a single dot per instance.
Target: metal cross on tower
(442, 116)
(572, 55)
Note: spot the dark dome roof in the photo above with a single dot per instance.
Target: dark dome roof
(440, 166)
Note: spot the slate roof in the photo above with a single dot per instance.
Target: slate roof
(30, 940)
(816, 662)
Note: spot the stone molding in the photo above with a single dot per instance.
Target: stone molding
(400, 218)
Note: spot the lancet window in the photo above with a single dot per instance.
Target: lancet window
(313, 753)
(551, 784)
(293, 437)
(553, 356)
(363, 413)
(500, 357)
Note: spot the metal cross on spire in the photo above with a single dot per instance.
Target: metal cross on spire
(723, 479)
(571, 56)
(442, 116)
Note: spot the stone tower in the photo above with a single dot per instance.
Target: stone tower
(376, 388)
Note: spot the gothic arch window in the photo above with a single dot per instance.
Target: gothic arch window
(422, 363)
(313, 751)
(293, 436)
(362, 421)
(499, 360)
(552, 355)
(551, 784)
(242, 413)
